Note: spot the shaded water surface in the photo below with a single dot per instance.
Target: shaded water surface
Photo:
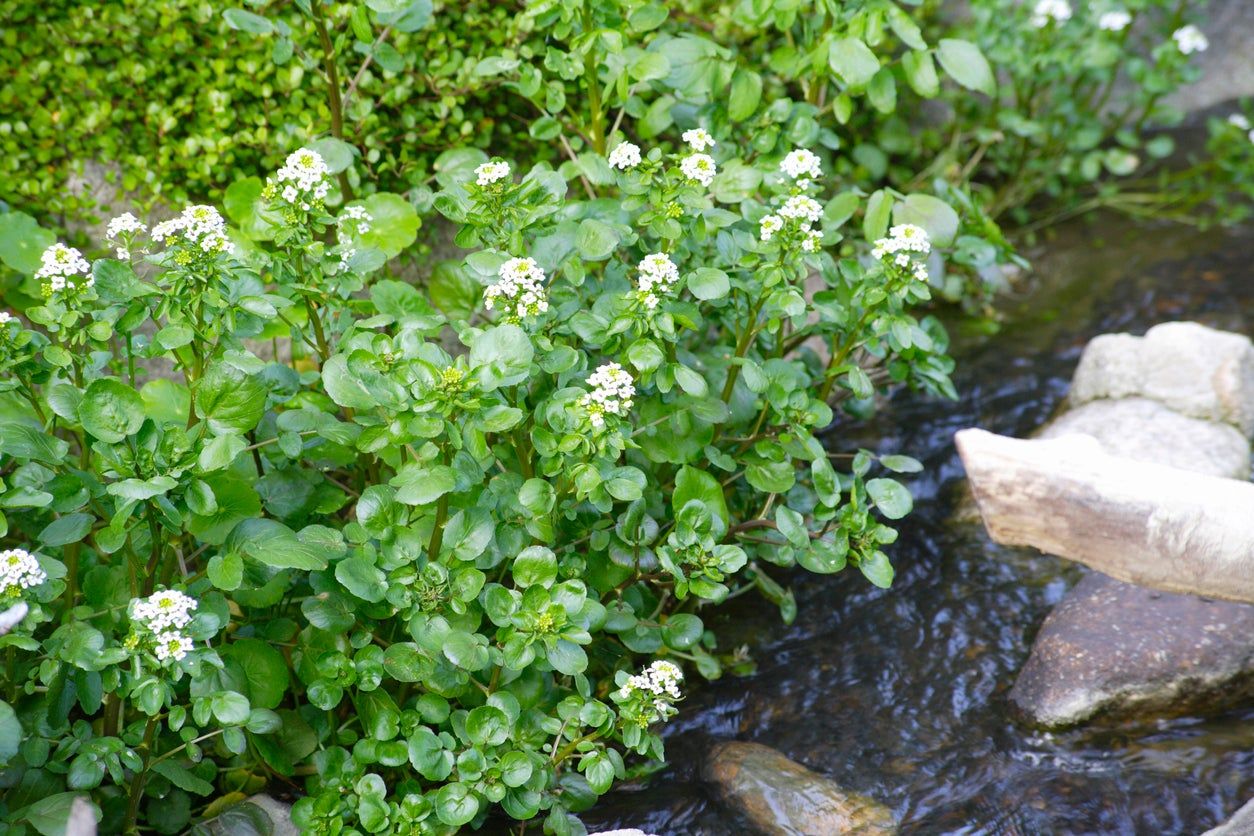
(902, 693)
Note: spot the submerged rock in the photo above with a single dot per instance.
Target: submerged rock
(1116, 650)
(782, 798)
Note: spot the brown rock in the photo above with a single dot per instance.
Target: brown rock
(1115, 650)
(780, 797)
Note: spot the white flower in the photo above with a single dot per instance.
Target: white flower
(1058, 11)
(769, 225)
(124, 224)
(1250, 136)
(654, 690)
(199, 227)
(1115, 21)
(612, 393)
(812, 243)
(520, 290)
(802, 165)
(1189, 39)
(491, 172)
(6, 318)
(658, 275)
(698, 139)
(1239, 121)
(163, 610)
(63, 269)
(305, 178)
(624, 156)
(699, 168)
(19, 570)
(800, 207)
(172, 645)
(899, 249)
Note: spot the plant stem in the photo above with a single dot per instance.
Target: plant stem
(137, 783)
(333, 85)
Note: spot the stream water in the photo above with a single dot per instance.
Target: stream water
(901, 694)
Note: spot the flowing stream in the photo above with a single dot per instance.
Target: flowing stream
(901, 694)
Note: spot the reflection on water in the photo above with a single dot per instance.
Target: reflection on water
(902, 694)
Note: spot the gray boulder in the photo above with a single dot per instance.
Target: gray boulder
(1115, 650)
(780, 797)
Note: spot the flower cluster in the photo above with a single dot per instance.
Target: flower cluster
(658, 275)
(521, 290)
(303, 182)
(63, 269)
(797, 218)
(1046, 11)
(624, 156)
(353, 221)
(803, 166)
(699, 168)
(19, 570)
(491, 172)
(121, 232)
(698, 139)
(1114, 21)
(199, 229)
(904, 242)
(164, 614)
(650, 696)
(1189, 39)
(612, 393)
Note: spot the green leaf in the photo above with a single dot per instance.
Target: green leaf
(110, 410)
(362, 578)
(50, 815)
(690, 484)
(921, 73)
(501, 356)
(25, 443)
(455, 805)
(487, 726)
(853, 61)
(72, 528)
(967, 65)
(274, 544)
(595, 240)
(535, 566)
(877, 569)
(416, 485)
(336, 153)
(265, 670)
(10, 732)
(246, 21)
(879, 209)
(708, 283)
(182, 777)
(746, 94)
(229, 708)
(936, 217)
(394, 223)
(229, 400)
(901, 464)
(682, 631)
(891, 497)
(23, 241)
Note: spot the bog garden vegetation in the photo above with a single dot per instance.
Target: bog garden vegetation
(431, 544)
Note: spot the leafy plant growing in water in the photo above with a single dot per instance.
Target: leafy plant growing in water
(285, 520)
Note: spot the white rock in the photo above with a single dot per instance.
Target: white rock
(1147, 431)
(1195, 370)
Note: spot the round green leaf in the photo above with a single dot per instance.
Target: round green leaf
(110, 410)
